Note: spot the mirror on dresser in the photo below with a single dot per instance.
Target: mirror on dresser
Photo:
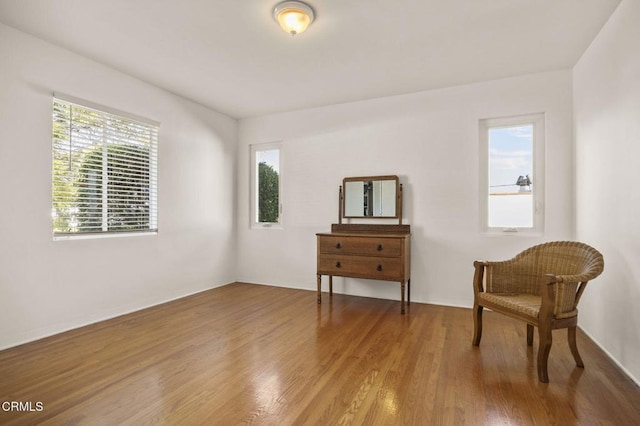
(370, 197)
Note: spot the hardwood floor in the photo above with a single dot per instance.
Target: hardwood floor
(248, 354)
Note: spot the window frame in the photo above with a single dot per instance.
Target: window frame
(253, 182)
(106, 113)
(537, 121)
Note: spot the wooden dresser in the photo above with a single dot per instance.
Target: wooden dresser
(378, 252)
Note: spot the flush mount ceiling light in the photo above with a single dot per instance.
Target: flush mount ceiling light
(293, 16)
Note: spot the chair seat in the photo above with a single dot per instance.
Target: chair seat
(523, 304)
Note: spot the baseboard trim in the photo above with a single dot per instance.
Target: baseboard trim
(611, 357)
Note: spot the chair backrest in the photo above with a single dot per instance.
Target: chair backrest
(565, 258)
(557, 257)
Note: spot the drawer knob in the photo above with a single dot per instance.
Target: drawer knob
(379, 247)
(379, 268)
(338, 265)
(338, 245)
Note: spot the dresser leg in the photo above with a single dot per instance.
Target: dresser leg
(409, 291)
(402, 297)
(319, 289)
(330, 285)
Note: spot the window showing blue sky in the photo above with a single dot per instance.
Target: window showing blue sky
(510, 156)
(271, 157)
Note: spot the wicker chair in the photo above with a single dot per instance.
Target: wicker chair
(540, 286)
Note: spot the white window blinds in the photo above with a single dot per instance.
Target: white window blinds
(104, 172)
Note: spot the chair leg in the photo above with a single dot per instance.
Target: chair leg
(545, 340)
(529, 335)
(573, 346)
(477, 324)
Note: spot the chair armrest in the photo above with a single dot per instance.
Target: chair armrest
(478, 276)
(506, 276)
(560, 294)
(547, 291)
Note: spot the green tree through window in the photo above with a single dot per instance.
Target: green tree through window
(268, 197)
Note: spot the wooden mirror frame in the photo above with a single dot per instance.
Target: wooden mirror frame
(342, 197)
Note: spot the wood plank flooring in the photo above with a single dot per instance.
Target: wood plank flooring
(249, 354)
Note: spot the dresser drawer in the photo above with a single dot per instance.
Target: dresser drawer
(381, 268)
(376, 252)
(366, 246)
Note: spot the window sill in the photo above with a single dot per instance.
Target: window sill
(104, 235)
(266, 226)
(513, 232)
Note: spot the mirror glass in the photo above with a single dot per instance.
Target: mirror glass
(370, 196)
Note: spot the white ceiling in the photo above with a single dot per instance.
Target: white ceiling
(232, 57)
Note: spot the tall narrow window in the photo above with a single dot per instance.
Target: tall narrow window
(104, 171)
(266, 206)
(513, 173)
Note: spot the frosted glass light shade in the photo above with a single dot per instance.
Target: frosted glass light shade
(293, 16)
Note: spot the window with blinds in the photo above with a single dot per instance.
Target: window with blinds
(104, 172)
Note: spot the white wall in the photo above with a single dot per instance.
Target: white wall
(431, 140)
(46, 286)
(607, 133)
